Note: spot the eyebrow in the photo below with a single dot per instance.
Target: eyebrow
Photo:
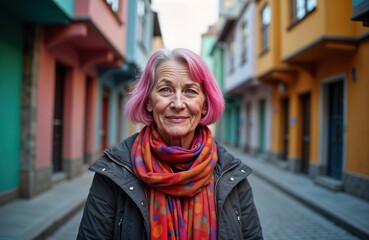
(166, 81)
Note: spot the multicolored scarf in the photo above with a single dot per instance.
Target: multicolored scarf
(180, 184)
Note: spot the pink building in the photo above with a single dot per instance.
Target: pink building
(61, 67)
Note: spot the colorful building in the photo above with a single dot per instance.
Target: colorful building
(313, 62)
(114, 83)
(246, 118)
(51, 52)
(315, 59)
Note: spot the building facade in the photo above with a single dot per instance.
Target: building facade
(247, 112)
(56, 49)
(312, 61)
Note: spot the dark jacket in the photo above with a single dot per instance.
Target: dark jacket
(117, 206)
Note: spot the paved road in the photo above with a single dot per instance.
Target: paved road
(282, 218)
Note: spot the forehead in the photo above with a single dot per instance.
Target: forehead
(172, 68)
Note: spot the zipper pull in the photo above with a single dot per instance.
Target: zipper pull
(238, 216)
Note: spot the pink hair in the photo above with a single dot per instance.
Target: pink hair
(136, 106)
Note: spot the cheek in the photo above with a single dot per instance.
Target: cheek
(160, 106)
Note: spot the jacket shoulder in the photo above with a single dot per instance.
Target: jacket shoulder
(120, 152)
(227, 160)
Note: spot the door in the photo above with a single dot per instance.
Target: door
(120, 117)
(335, 129)
(105, 119)
(87, 125)
(238, 128)
(61, 73)
(248, 127)
(262, 126)
(305, 136)
(285, 128)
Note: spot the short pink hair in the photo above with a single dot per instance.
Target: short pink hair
(135, 108)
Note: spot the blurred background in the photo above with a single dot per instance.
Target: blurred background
(294, 74)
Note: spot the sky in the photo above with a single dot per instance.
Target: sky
(183, 21)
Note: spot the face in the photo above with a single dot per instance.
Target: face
(177, 103)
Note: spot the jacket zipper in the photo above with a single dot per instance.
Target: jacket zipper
(120, 227)
(216, 184)
(131, 171)
(238, 217)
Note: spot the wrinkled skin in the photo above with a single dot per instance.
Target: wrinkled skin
(177, 103)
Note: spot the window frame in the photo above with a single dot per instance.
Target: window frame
(265, 28)
(244, 41)
(232, 54)
(294, 18)
(142, 11)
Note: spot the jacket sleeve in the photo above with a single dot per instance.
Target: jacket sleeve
(251, 228)
(100, 210)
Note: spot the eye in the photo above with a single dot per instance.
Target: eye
(165, 90)
(190, 91)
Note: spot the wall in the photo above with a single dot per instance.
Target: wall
(10, 99)
(304, 32)
(45, 107)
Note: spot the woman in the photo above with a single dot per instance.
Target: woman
(171, 180)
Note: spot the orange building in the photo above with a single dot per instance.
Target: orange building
(316, 60)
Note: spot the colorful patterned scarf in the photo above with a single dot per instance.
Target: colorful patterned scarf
(180, 184)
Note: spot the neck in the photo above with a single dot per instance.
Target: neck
(183, 141)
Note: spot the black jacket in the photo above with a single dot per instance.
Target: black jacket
(117, 206)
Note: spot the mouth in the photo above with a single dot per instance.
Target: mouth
(176, 119)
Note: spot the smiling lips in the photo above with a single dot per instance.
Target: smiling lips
(176, 119)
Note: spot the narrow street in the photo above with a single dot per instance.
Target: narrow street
(282, 217)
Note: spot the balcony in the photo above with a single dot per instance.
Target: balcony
(97, 32)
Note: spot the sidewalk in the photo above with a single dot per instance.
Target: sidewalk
(346, 210)
(35, 218)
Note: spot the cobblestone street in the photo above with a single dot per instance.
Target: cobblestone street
(282, 217)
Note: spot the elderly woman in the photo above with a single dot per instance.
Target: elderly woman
(172, 180)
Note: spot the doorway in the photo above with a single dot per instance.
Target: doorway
(285, 128)
(105, 119)
(88, 120)
(248, 127)
(305, 132)
(262, 109)
(61, 74)
(335, 129)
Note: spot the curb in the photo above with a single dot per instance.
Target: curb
(54, 225)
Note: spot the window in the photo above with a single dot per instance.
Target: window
(244, 42)
(141, 12)
(299, 8)
(231, 55)
(266, 17)
(114, 4)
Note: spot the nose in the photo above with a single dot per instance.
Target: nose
(177, 102)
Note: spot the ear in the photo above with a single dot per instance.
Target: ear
(204, 110)
(149, 106)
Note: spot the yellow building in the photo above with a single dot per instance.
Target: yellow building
(317, 61)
